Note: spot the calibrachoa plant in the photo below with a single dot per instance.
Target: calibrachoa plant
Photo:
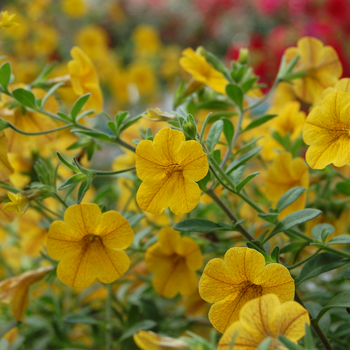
(232, 198)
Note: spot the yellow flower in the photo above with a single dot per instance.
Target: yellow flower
(343, 85)
(14, 290)
(144, 77)
(89, 245)
(284, 174)
(156, 114)
(327, 131)
(45, 40)
(202, 71)
(321, 65)
(266, 317)
(289, 120)
(169, 167)
(147, 340)
(7, 21)
(174, 260)
(240, 277)
(146, 40)
(5, 167)
(74, 8)
(85, 79)
(18, 203)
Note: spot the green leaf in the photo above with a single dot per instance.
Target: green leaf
(50, 92)
(64, 116)
(135, 219)
(145, 324)
(129, 122)
(242, 159)
(347, 274)
(68, 165)
(78, 105)
(72, 181)
(242, 183)
(266, 256)
(322, 231)
(289, 344)
(321, 263)
(198, 225)
(237, 174)
(235, 93)
(342, 300)
(5, 75)
(290, 197)
(275, 254)
(78, 318)
(342, 239)
(308, 339)
(229, 130)
(214, 135)
(314, 309)
(3, 124)
(259, 121)
(84, 187)
(294, 219)
(203, 183)
(25, 97)
(343, 187)
(215, 105)
(120, 117)
(264, 345)
(247, 85)
(95, 134)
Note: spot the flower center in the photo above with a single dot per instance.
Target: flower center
(251, 290)
(173, 168)
(91, 238)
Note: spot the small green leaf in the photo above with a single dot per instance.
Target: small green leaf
(5, 75)
(294, 219)
(289, 344)
(25, 97)
(275, 254)
(314, 309)
(214, 135)
(322, 231)
(215, 104)
(64, 116)
(145, 324)
(84, 187)
(247, 85)
(78, 318)
(266, 256)
(3, 124)
(242, 183)
(264, 345)
(68, 165)
(128, 122)
(120, 117)
(95, 134)
(347, 274)
(321, 263)
(72, 181)
(198, 225)
(135, 219)
(342, 300)
(78, 105)
(290, 197)
(235, 93)
(342, 239)
(203, 183)
(50, 92)
(343, 187)
(259, 121)
(229, 130)
(242, 159)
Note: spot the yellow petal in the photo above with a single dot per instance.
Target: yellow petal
(82, 219)
(167, 143)
(188, 248)
(115, 231)
(193, 161)
(157, 260)
(289, 319)
(276, 279)
(5, 166)
(168, 240)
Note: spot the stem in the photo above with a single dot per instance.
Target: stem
(234, 139)
(315, 326)
(227, 211)
(48, 210)
(57, 197)
(124, 144)
(109, 317)
(39, 132)
(291, 267)
(266, 97)
(109, 173)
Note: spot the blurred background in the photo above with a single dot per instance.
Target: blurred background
(136, 44)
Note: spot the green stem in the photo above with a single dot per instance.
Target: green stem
(315, 326)
(124, 144)
(57, 197)
(110, 173)
(109, 316)
(39, 132)
(227, 211)
(291, 267)
(234, 139)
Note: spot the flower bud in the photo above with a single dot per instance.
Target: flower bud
(190, 130)
(243, 56)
